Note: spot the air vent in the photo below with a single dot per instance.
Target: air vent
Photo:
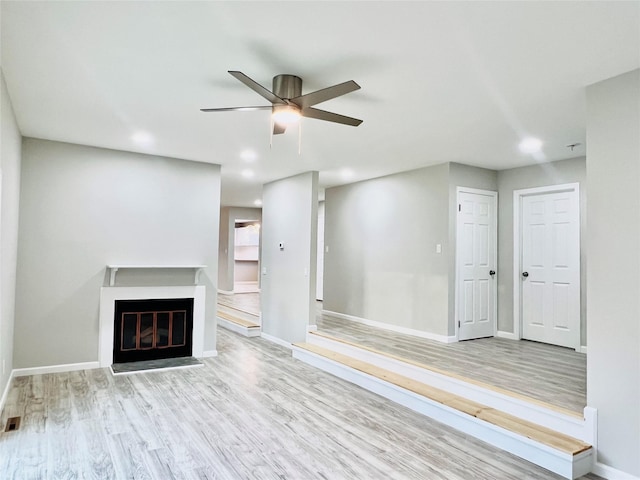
(13, 424)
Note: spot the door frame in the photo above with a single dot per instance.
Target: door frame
(518, 196)
(458, 276)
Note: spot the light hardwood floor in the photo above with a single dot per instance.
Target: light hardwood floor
(555, 375)
(253, 412)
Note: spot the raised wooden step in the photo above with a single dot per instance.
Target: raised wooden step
(408, 361)
(234, 309)
(237, 324)
(558, 452)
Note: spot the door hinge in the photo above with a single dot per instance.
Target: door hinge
(459, 207)
(458, 323)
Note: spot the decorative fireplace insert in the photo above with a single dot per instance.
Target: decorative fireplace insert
(152, 329)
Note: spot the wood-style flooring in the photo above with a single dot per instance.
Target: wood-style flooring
(548, 373)
(253, 412)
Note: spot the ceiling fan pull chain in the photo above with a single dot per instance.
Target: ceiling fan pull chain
(271, 133)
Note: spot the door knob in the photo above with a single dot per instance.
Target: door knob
(525, 274)
(492, 272)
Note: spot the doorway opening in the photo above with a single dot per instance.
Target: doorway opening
(246, 257)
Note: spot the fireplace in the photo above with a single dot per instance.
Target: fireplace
(152, 329)
(110, 295)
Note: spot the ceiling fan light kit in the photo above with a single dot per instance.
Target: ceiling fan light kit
(288, 104)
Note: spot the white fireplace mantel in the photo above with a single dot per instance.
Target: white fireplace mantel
(113, 269)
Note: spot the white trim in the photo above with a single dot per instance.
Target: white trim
(312, 328)
(508, 335)
(569, 466)
(393, 328)
(611, 473)
(494, 235)
(67, 367)
(7, 387)
(113, 269)
(276, 340)
(209, 353)
(517, 198)
(225, 292)
(108, 296)
(582, 349)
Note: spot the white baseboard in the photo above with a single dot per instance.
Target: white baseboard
(582, 349)
(394, 328)
(312, 328)
(611, 473)
(7, 387)
(508, 335)
(209, 353)
(67, 367)
(276, 340)
(225, 292)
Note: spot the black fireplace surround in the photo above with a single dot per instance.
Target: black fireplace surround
(152, 329)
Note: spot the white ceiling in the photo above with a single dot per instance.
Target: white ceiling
(441, 81)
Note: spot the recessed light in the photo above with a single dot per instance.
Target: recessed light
(248, 155)
(143, 139)
(247, 173)
(257, 202)
(530, 145)
(346, 173)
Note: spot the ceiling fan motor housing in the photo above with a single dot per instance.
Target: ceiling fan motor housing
(287, 86)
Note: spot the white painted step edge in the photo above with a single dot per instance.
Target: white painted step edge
(241, 329)
(566, 465)
(582, 429)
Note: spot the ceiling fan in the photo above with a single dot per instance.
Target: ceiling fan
(288, 104)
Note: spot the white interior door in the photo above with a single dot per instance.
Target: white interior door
(476, 253)
(550, 268)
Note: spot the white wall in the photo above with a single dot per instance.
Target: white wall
(82, 208)
(555, 173)
(613, 248)
(289, 216)
(11, 153)
(382, 264)
(320, 249)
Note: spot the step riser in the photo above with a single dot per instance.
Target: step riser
(568, 466)
(242, 330)
(569, 425)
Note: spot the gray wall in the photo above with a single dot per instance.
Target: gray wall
(382, 264)
(613, 243)
(82, 208)
(228, 217)
(555, 173)
(10, 151)
(289, 216)
(463, 176)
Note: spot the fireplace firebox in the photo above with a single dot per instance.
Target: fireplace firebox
(152, 329)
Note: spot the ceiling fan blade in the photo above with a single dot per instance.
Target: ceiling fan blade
(278, 129)
(235, 109)
(329, 116)
(319, 96)
(256, 87)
